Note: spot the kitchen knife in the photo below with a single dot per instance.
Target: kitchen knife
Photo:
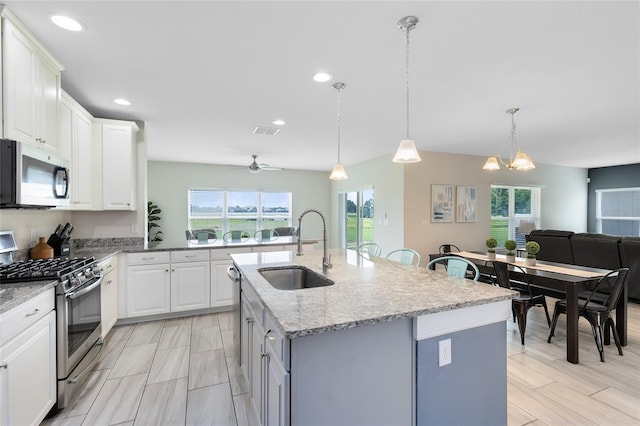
(67, 235)
(63, 233)
(58, 229)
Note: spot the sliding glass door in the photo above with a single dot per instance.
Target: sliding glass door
(357, 226)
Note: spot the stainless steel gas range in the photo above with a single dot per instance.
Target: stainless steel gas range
(78, 325)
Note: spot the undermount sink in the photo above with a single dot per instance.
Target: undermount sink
(294, 278)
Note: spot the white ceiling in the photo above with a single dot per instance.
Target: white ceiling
(203, 74)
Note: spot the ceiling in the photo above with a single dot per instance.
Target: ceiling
(204, 74)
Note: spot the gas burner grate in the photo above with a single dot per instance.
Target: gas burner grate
(41, 269)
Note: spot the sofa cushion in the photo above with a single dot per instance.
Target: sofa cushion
(555, 246)
(596, 250)
(630, 258)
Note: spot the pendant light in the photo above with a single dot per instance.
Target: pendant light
(519, 161)
(338, 172)
(407, 152)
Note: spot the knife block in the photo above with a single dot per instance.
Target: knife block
(61, 246)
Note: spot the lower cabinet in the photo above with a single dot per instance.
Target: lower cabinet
(189, 286)
(28, 362)
(109, 294)
(263, 358)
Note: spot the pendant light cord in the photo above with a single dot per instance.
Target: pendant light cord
(338, 121)
(407, 78)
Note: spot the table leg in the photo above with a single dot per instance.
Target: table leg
(572, 324)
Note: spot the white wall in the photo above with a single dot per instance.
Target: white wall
(168, 183)
(28, 225)
(387, 180)
(563, 199)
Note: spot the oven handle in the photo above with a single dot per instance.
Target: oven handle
(74, 294)
(89, 367)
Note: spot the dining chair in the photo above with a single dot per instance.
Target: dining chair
(521, 304)
(456, 266)
(448, 248)
(404, 255)
(369, 248)
(194, 234)
(286, 231)
(266, 235)
(598, 314)
(236, 236)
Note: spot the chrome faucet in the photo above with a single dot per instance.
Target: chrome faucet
(326, 261)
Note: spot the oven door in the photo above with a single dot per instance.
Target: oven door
(79, 326)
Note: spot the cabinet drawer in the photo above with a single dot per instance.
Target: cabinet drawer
(19, 318)
(250, 296)
(189, 255)
(109, 265)
(223, 253)
(147, 258)
(276, 341)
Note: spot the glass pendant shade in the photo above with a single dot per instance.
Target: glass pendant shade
(523, 161)
(407, 152)
(491, 164)
(338, 172)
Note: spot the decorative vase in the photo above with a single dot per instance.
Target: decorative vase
(491, 255)
(42, 250)
(530, 261)
(511, 258)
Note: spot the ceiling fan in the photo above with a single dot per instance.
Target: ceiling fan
(254, 167)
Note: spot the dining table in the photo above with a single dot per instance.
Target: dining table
(561, 279)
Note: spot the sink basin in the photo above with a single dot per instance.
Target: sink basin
(294, 278)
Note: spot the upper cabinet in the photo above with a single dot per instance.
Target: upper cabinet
(118, 141)
(76, 143)
(31, 88)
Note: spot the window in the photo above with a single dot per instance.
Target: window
(618, 211)
(238, 210)
(515, 210)
(357, 225)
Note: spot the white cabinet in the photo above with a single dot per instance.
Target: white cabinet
(221, 285)
(163, 282)
(118, 142)
(264, 359)
(28, 361)
(76, 143)
(190, 288)
(31, 89)
(109, 294)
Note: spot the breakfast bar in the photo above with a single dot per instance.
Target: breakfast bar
(372, 342)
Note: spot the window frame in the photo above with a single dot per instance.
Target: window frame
(600, 217)
(513, 218)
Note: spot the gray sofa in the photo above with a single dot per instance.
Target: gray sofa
(594, 250)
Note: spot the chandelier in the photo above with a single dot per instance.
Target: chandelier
(518, 159)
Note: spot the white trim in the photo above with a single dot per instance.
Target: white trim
(441, 323)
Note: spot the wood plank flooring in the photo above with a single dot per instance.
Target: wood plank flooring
(181, 372)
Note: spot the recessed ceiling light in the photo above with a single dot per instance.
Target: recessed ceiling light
(122, 102)
(279, 122)
(322, 77)
(67, 23)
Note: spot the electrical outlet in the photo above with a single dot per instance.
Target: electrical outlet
(444, 352)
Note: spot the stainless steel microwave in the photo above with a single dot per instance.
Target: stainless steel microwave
(31, 177)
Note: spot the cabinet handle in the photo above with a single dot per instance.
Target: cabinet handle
(148, 258)
(190, 256)
(109, 282)
(35, 311)
(173, 270)
(269, 336)
(166, 270)
(5, 366)
(249, 320)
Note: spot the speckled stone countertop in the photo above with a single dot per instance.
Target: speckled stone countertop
(365, 291)
(14, 294)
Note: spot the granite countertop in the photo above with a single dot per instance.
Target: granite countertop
(14, 294)
(366, 291)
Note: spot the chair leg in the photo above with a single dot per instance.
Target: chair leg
(546, 312)
(596, 327)
(522, 321)
(616, 337)
(556, 314)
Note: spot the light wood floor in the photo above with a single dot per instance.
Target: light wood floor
(178, 372)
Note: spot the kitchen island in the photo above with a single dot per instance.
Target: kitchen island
(368, 349)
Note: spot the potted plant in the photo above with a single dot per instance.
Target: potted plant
(510, 245)
(532, 249)
(491, 244)
(153, 235)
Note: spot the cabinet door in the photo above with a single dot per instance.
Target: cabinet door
(19, 86)
(148, 290)
(118, 188)
(109, 301)
(190, 286)
(48, 90)
(82, 163)
(255, 381)
(246, 339)
(28, 381)
(276, 392)
(221, 284)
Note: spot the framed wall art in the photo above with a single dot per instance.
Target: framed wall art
(466, 204)
(442, 203)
